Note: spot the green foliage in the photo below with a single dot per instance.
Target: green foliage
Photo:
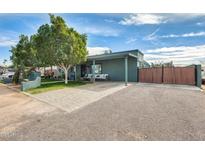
(53, 44)
(42, 43)
(70, 46)
(57, 44)
(23, 55)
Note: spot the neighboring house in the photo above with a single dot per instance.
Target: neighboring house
(3, 69)
(120, 66)
(56, 71)
(6, 72)
(7, 75)
(146, 64)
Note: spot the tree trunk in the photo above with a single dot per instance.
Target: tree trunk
(66, 75)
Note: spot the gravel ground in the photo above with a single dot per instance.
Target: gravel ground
(133, 113)
(70, 99)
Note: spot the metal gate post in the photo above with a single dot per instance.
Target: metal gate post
(138, 75)
(198, 75)
(162, 74)
(126, 70)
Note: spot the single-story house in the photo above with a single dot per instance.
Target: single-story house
(120, 66)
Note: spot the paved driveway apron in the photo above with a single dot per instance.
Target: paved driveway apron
(70, 99)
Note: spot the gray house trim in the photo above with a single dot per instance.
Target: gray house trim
(125, 57)
(121, 66)
(111, 56)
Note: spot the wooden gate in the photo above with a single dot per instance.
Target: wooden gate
(168, 75)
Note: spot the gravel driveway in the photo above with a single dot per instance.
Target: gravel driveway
(133, 113)
(71, 99)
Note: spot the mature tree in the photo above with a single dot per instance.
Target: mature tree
(70, 46)
(22, 53)
(22, 56)
(54, 44)
(43, 44)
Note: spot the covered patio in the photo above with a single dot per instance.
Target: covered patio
(120, 66)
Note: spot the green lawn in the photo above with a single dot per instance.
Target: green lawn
(48, 80)
(54, 86)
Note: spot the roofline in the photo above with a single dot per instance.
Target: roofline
(111, 56)
(121, 53)
(129, 51)
(132, 55)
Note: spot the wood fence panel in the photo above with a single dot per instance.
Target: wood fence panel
(178, 75)
(185, 75)
(168, 75)
(157, 75)
(145, 75)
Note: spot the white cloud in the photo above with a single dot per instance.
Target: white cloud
(98, 50)
(101, 31)
(153, 35)
(5, 41)
(192, 34)
(141, 19)
(181, 55)
(131, 40)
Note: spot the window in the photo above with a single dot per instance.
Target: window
(98, 69)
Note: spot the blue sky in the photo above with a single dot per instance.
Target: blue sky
(161, 37)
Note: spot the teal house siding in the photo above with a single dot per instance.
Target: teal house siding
(114, 65)
(132, 69)
(78, 72)
(115, 68)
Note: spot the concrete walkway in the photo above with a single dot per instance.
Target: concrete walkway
(70, 99)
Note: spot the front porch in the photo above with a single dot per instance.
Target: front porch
(118, 67)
